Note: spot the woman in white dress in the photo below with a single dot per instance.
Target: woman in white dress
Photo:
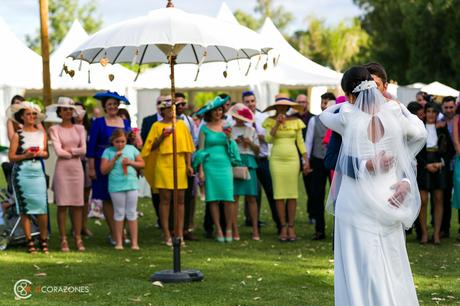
(374, 194)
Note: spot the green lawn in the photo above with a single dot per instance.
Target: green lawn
(240, 273)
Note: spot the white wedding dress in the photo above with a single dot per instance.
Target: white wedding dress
(370, 259)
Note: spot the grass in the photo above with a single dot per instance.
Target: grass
(240, 273)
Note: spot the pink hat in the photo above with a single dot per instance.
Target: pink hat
(242, 112)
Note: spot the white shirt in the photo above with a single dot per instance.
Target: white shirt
(191, 127)
(309, 136)
(259, 119)
(246, 132)
(432, 139)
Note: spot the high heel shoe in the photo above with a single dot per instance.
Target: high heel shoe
(31, 246)
(64, 245)
(220, 237)
(291, 233)
(228, 236)
(44, 245)
(283, 233)
(79, 245)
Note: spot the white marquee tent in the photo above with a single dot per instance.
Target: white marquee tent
(21, 69)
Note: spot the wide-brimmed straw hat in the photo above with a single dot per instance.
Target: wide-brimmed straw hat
(242, 112)
(283, 100)
(217, 102)
(14, 108)
(111, 94)
(62, 102)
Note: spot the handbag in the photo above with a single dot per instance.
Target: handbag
(241, 173)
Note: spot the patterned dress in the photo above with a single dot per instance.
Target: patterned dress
(99, 140)
(29, 182)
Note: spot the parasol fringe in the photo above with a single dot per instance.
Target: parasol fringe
(200, 63)
(249, 67)
(137, 74)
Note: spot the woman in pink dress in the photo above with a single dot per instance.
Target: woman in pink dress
(69, 142)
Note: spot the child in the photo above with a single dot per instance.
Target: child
(121, 162)
(248, 146)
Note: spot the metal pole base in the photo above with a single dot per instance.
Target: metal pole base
(169, 276)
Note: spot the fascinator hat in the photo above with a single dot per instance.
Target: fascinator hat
(217, 102)
(111, 94)
(242, 112)
(14, 108)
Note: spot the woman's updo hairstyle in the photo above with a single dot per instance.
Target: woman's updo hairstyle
(353, 77)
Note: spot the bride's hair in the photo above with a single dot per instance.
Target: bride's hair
(353, 77)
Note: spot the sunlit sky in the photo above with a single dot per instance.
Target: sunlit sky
(22, 16)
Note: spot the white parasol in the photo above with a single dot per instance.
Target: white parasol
(173, 36)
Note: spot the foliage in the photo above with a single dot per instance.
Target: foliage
(265, 8)
(61, 14)
(417, 41)
(336, 46)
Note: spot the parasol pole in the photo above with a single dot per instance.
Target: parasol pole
(176, 238)
(176, 275)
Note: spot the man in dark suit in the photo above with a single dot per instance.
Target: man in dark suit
(147, 123)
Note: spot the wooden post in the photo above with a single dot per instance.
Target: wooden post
(45, 52)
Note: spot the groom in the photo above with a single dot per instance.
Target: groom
(385, 162)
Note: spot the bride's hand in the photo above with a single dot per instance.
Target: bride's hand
(401, 188)
(383, 162)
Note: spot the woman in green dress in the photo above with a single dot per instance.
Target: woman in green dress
(214, 163)
(285, 134)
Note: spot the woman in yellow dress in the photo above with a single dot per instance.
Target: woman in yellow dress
(157, 153)
(285, 134)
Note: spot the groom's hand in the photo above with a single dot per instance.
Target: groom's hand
(401, 188)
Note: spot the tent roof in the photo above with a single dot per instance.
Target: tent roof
(21, 66)
(298, 68)
(99, 75)
(438, 89)
(226, 14)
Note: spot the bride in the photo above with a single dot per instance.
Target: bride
(374, 194)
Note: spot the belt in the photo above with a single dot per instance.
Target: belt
(431, 150)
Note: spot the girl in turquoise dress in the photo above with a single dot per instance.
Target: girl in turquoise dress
(28, 148)
(248, 146)
(214, 163)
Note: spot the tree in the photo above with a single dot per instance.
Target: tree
(265, 8)
(247, 20)
(416, 41)
(62, 13)
(339, 46)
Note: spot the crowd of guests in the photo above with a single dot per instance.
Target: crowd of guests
(225, 152)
